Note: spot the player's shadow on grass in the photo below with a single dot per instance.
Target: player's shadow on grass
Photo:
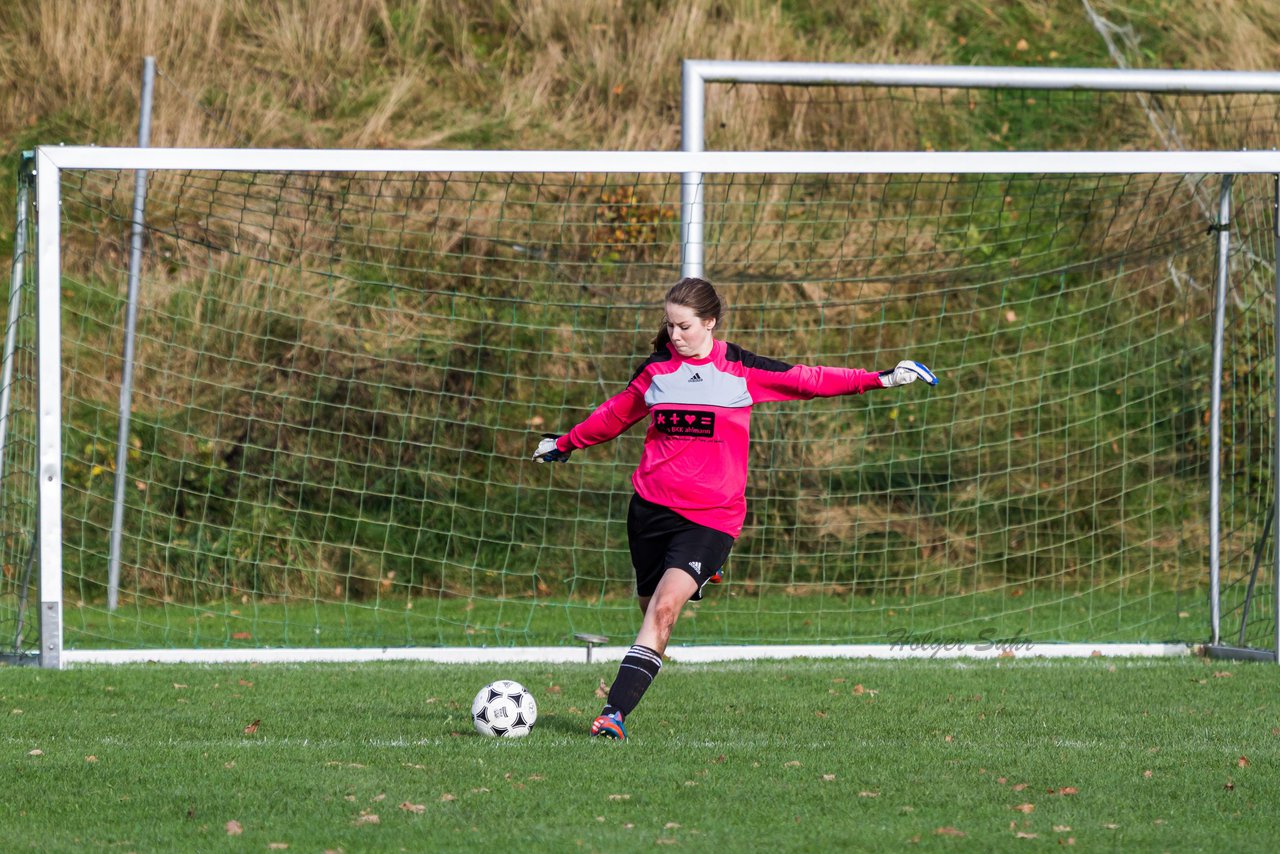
(447, 721)
(565, 724)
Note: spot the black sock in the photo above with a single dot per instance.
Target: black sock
(636, 673)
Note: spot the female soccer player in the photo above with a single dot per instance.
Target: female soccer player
(690, 498)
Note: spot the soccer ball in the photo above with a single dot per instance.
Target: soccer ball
(504, 708)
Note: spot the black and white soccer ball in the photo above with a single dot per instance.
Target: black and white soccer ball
(504, 708)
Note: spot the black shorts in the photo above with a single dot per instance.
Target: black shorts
(661, 539)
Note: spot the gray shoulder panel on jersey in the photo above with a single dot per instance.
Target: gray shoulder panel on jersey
(698, 385)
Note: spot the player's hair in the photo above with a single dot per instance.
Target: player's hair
(697, 294)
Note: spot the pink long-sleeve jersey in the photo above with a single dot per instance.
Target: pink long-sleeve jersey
(695, 449)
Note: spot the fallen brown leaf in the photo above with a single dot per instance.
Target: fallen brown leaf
(602, 690)
(949, 831)
(1024, 808)
(417, 809)
(1021, 834)
(234, 828)
(252, 728)
(1242, 762)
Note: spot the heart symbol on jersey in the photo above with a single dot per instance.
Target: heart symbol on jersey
(688, 419)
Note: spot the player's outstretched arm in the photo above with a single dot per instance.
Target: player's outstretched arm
(907, 371)
(548, 452)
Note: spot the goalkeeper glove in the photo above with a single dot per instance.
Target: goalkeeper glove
(548, 452)
(907, 372)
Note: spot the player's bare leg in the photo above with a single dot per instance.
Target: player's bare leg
(643, 661)
(662, 609)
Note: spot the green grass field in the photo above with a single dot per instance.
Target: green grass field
(1019, 755)
(1051, 614)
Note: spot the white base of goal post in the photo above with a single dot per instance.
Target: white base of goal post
(690, 654)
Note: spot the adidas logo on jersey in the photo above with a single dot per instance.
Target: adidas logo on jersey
(696, 378)
(696, 565)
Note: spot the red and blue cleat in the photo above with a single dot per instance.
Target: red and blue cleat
(609, 726)
(716, 577)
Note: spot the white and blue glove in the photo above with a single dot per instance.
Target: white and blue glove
(907, 371)
(548, 452)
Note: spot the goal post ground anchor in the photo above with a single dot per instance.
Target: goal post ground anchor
(590, 640)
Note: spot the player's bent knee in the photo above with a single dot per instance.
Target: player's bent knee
(665, 610)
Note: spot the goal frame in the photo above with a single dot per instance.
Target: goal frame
(51, 162)
(697, 74)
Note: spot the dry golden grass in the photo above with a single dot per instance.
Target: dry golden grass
(499, 73)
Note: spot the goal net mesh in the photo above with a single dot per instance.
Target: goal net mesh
(772, 117)
(340, 378)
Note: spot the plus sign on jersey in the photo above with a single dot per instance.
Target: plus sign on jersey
(681, 422)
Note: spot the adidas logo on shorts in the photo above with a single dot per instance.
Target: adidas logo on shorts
(696, 565)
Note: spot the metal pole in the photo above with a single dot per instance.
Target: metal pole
(1215, 412)
(982, 77)
(15, 299)
(130, 334)
(1275, 438)
(692, 133)
(49, 403)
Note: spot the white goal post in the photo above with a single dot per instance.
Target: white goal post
(698, 74)
(53, 163)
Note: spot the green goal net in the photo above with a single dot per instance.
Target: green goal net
(340, 376)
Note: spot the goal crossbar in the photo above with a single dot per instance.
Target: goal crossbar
(698, 71)
(672, 162)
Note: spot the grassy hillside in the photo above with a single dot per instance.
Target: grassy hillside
(541, 73)
(536, 74)
(606, 75)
